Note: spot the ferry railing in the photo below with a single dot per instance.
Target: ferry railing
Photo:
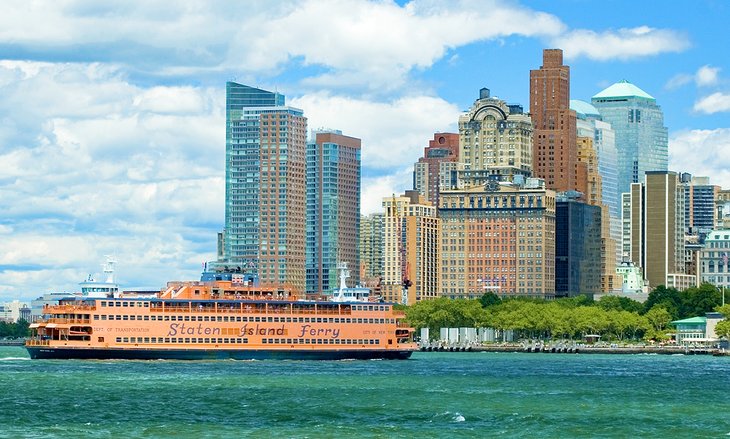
(69, 308)
(58, 320)
(32, 342)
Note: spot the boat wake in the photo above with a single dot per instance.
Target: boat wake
(14, 358)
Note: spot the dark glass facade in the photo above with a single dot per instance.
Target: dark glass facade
(577, 249)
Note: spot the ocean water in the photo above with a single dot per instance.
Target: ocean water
(433, 395)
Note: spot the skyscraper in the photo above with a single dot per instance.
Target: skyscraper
(641, 137)
(495, 137)
(411, 249)
(443, 149)
(265, 185)
(554, 151)
(597, 138)
(498, 237)
(333, 209)
(371, 248)
(657, 230)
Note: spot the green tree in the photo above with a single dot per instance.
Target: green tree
(667, 298)
(617, 303)
(697, 301)
(658, 318)
(488, 299)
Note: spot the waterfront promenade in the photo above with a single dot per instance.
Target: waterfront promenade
(577, 349)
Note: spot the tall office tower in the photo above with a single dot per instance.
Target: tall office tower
(554, 145)
(626, 227)
(333, 209)
(657, 230)
(495, 137)
(371, 248)
(411, 249)
(641, 137)
(498, 237)
(265, 185)
(596, 146)
(444, 148)
(577, 248)
(699, 207)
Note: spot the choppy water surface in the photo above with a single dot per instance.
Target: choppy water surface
(432, 395)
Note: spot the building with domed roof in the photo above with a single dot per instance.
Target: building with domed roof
(641, 137)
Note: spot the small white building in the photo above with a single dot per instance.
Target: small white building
(714, 256)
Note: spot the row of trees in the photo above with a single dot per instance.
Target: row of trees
(613, 317)
(15, 330)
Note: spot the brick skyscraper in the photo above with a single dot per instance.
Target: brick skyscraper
(554, 151)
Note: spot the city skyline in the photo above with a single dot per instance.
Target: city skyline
(112, 138)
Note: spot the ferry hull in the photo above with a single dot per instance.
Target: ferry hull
(45, 352)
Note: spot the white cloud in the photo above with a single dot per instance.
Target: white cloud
(394, 133)
(374, 189)
(372, 44)
(707, 76)
(93, 165)
(626, 43)
(702, 153)
(714, 103)
(704, 77)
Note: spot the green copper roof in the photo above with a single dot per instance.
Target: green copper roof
(690, 320)
(623, 89)
(583, 108)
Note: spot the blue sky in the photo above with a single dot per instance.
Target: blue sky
(112, 126)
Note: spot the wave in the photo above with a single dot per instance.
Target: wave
(14, 358)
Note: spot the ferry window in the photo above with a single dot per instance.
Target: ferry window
(319, 341)
(167, 340)
(193, 340)
(288, 341)
(244, 340)
(117, 304)
(206, 340)
(238, 319)
(153, 339)
(220, 319)
(119, 317)
(377, 341)
(103, 303)
(187, 340)
(103, 316)
(373, 321)
(125, 317)
(146, 339)
(167, 318)
(226, 340)
(306, 320)
(125, 304)
(187, 318)
(146, 304)
(100, 339)
(319, 319)
(288, 319)
(269, 319)
(200, 318)
(146, 317)
(119, 339)
(96, 317)
(173, 340)
(263, 340)
(125, 339)
(349, 320)
(390, 341)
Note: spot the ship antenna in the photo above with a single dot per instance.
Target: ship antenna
(109, 269)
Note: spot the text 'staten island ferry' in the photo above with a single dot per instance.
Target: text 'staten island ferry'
(225, 315)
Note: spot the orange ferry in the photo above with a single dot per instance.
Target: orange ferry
(219, 319)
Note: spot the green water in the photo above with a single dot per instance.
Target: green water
(432, 395)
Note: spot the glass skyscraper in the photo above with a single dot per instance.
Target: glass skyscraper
(641, 137)
(333, 210)
(265, 185)
(589, 124)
